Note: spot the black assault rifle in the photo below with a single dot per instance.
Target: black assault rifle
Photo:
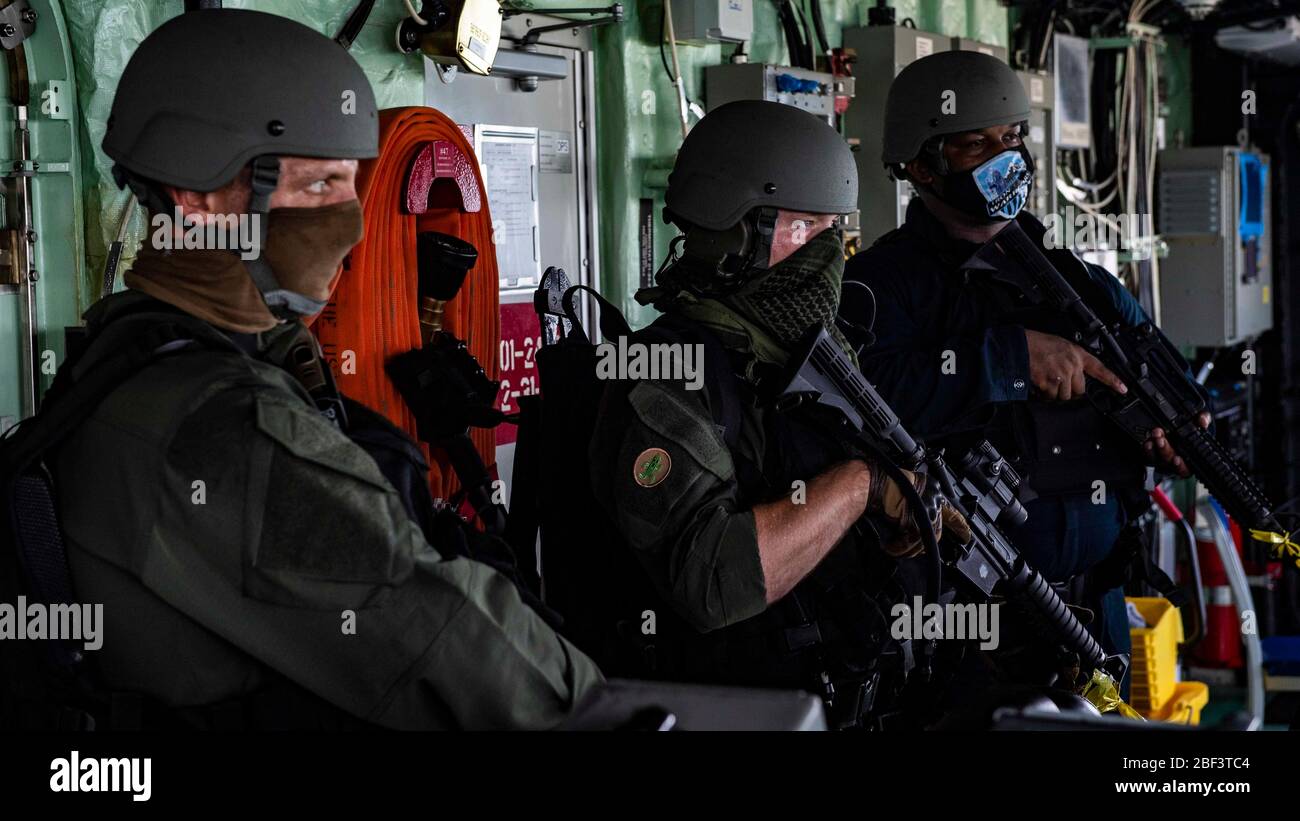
(983, 490)
(1160, 394)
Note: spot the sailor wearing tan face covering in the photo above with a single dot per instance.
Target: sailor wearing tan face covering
(313, 221)
(262, 563)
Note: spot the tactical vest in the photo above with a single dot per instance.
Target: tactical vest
(47, 688)
(830, 635)
(843, 605)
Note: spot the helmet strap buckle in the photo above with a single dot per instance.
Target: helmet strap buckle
(763, 230)
(281, 302)
(266, 176)
(932, 153)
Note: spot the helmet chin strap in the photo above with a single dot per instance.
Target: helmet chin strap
(933, 155)
(284, 304)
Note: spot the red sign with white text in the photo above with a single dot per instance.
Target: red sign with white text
(521, 336)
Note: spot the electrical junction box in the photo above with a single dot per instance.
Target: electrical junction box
(1041, 141)
(813, 91)
(881, 52)
(700, 22)
(1214, 214)
(967, 44)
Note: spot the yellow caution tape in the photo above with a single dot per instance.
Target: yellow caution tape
(1102, 692)
(1281, 541)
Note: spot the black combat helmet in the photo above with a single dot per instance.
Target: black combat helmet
(752, 153)
(211, 91)
(949, 92)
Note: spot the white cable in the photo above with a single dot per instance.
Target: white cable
(1139, 10)
(1047, 38)
(679, 81)
(415, 15)
(1136, 113)
(1124, 138)
(1244, 603)
(1151, 182)
(1092, 190)
(1093, 187)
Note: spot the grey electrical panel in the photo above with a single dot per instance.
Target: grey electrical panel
(1214, 213)
(1041, 141)
(967, 44)
(882, 52)
(700, 22)
(813, 91)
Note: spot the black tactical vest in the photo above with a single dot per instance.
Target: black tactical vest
(1057, 448)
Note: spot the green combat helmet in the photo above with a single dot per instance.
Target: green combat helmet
(187, 115)
(948, 93)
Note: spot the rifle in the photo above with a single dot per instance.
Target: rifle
(1160, 394)
(983, 490)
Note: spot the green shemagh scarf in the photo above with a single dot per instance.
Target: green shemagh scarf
(767, 316)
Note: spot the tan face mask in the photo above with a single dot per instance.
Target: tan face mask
(304, 248)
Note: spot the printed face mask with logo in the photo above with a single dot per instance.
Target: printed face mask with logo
(994, 190)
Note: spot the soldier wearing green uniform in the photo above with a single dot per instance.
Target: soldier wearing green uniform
(256, 565)
(751, 523)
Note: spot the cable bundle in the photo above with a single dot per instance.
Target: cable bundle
(1117, 175)
(805, 31)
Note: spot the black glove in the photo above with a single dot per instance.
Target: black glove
(445, 388)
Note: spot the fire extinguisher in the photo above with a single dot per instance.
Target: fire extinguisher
(1221, 646)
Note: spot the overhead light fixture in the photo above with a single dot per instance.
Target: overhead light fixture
(1199, 9)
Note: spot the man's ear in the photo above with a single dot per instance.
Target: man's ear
(919, 172)
(231, 198)
(190, 202)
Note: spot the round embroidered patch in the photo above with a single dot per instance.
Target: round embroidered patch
(652, 467)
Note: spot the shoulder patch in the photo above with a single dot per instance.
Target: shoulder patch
(683, 421)
(652, 467)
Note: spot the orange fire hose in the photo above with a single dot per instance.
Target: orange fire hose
(374, 310)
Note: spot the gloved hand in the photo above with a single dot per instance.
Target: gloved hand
(445, 388)
(886, 499)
